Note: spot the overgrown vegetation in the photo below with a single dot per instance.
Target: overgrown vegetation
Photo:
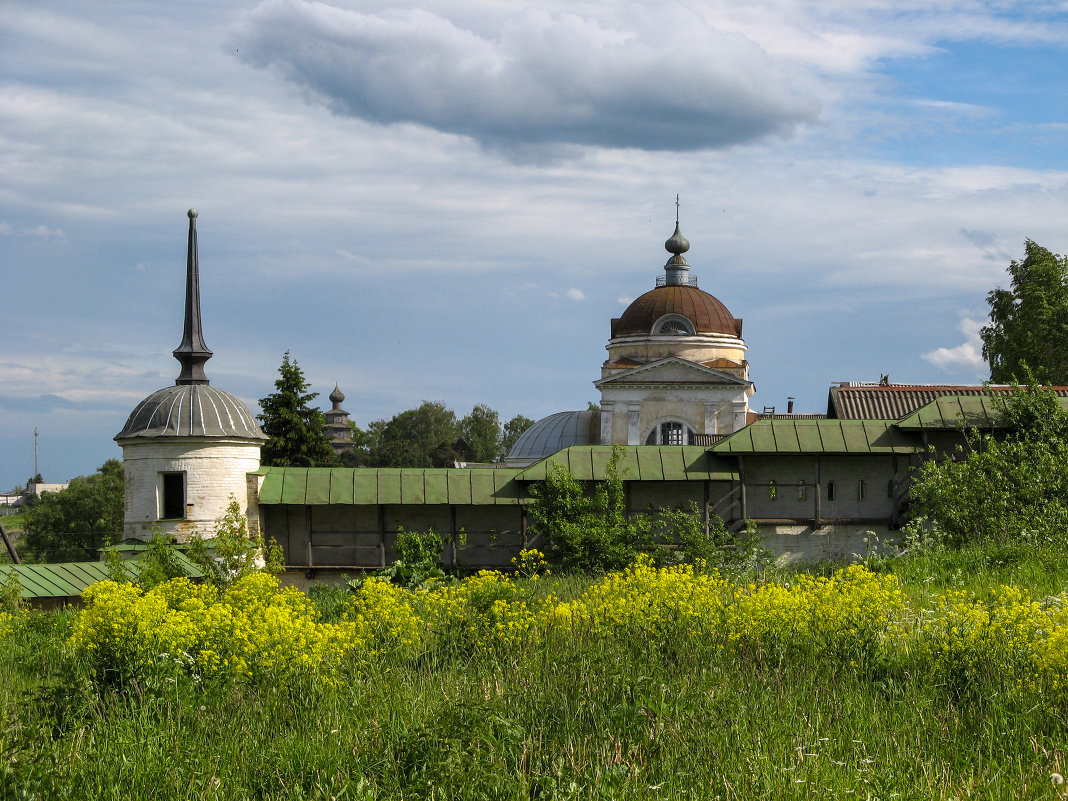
(1003, 487)
(650, 682)
(590, 529)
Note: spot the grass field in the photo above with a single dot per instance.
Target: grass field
(921, 678)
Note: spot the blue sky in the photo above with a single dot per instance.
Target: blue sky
(449, 200)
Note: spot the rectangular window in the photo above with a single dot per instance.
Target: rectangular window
(773, 491)
(830, 490)
(860, 490)
(173, 496)
(802, 491)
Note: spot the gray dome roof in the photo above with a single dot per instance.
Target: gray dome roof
(554, 433)
(191, 410)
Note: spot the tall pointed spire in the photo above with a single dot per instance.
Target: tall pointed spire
(192, 353)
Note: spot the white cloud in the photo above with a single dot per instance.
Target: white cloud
(966, 356)
(575, 294)
(37, 231)
(661, 79)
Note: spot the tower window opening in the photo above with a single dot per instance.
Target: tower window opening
(773, 491)
(802, 490)
(173, 496)
(860, 490)
(830, 490)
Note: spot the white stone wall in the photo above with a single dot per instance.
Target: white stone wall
(830, 543)
(629, 412)
(215, 470)
(699, 348)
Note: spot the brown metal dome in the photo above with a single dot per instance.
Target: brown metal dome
(708, 315)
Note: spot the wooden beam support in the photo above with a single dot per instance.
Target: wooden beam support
(10, 546)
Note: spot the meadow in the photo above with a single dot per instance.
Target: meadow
(937, 675)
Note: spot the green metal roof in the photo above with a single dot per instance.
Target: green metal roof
(482, 486)
(952, 412)
(638, 463)
(69, 579)
(818, 436)
(315, 486)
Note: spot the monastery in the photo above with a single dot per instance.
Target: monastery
(675, 392)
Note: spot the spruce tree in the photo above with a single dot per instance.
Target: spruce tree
(296, 431)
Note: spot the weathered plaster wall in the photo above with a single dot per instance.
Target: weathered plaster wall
(214, 471)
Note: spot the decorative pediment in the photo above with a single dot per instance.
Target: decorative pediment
(671, 370)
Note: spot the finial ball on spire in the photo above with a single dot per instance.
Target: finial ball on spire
(192, 214)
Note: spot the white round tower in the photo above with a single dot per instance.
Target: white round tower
(187, 449)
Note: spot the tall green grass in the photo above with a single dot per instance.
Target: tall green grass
(583, 718)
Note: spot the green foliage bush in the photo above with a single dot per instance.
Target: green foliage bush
(1000, 488)
(232, 552)
(592, 531)
(420, 560)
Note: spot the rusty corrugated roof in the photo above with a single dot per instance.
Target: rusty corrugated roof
(894, 401)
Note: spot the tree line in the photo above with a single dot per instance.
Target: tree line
(430, 435)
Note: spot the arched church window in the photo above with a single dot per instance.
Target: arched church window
(676, 328)
(669, 433)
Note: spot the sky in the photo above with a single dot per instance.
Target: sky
(450, 199)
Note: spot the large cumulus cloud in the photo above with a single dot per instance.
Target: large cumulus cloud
(650, 79)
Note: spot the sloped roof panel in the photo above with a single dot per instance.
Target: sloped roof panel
(413, 486)
(342, 489)
(70, 579)
(364, 487)
(818, 436)
(644, 463)
(650, 465)
(954, 411)
(459, 486)
(294, 486)
(318, 486)
(436, 486)
(389, 485)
